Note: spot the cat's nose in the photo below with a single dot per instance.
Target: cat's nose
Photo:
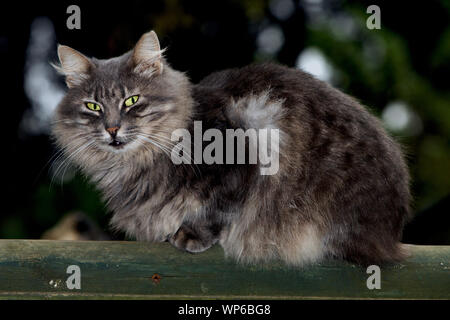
(113, 131)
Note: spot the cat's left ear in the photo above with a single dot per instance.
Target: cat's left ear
(75, 66)
(147, 55)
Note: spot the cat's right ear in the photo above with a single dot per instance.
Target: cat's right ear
(73, 65)
(147, 55)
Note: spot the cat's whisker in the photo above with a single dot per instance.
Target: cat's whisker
(167, 150)
(144, 145)
(55, 172)
(64, 149)
(60, 120)
(69, 158)
(68, 121)
(155, 144)
(165, 140)
(149, 136)
(161, 139)
(185, 156)
(177, 147)
(93, 144)
(60, 155)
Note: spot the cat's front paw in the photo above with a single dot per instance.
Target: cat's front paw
(187, 240)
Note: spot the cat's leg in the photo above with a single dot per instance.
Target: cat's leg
(196, 238)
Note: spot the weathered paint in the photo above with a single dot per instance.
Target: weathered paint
(36, 269)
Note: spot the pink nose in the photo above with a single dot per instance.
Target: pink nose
(113, 131)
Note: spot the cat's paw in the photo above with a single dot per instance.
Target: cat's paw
(188, 241)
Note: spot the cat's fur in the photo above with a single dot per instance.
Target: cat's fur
(342, 189)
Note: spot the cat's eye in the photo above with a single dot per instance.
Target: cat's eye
(131, 101)
(93, 106)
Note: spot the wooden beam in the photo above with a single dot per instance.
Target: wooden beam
(36, 269)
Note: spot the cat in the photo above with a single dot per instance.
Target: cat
(341, 190)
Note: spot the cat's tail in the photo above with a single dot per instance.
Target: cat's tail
(403, 252)
(374, 254)
(397, 253)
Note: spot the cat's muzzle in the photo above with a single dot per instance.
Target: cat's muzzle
(116, 143)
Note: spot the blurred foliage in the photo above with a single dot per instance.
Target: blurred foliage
(394, 77)
(407, 60)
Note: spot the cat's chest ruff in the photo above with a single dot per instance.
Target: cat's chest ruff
(158, 216)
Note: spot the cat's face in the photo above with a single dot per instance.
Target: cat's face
(121, 106)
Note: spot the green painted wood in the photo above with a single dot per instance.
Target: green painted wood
(36, 269)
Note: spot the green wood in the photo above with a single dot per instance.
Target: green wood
(124, 270)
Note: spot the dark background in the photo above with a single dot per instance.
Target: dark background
(407, 63)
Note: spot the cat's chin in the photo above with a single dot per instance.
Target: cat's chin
(119, 146)
(116, 144)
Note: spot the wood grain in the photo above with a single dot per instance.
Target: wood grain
(36, 269)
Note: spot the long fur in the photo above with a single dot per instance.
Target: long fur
(342, 189)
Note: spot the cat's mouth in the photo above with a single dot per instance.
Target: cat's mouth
(117, 144)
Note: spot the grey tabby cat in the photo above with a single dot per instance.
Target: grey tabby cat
(341, 191)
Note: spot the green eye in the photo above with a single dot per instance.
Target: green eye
(131, 100)
(93, 106)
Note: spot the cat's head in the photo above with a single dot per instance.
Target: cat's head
(120, 107)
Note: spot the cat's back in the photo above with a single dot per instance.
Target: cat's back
(337, 163)
(329, 132)
(259, 77)
(270, 95)
(298, 92)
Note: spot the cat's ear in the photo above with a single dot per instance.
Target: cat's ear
(147, 55)
(74, 65)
